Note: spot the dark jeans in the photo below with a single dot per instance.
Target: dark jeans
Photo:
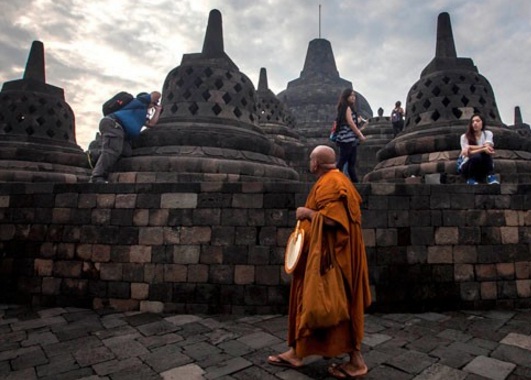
(347, 155)
(478, 166)
(398, 126)
(113, 145)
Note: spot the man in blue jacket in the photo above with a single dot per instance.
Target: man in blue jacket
(119, 128)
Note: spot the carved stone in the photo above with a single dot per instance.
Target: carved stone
(378, 131)
(37, 126)
(313, 97)
(279, 125)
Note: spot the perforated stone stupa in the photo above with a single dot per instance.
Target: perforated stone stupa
(313, 97)
(279, 126)
(439, 106)
(522, 128)
(37, 129)
(378, 131)
(208, 130)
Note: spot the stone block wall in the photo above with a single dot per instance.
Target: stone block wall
(219, 247)
(441, 247)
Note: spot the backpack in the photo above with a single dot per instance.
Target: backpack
(396, 116)
(116, 103)
(334, 131)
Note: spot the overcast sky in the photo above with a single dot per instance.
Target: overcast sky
(96, 48)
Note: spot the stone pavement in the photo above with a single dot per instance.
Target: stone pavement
(71, 343)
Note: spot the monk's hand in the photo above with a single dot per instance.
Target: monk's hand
(304, 213)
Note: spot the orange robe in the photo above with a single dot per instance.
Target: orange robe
(334, 197)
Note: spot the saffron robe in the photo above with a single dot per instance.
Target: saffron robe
(334, 197)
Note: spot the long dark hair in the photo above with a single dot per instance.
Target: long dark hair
(343, 104)
(470, 136)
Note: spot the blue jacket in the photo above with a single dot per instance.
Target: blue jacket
(133, 116)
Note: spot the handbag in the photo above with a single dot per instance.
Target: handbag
(324, 297)
(333, 132)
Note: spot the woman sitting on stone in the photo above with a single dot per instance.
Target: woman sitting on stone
(477, 149)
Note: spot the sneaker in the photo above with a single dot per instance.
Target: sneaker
(97, 180)
(492, 180)
(471, 181)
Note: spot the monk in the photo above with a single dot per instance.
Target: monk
(334, 198)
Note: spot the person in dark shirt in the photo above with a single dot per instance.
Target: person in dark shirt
(397, 118)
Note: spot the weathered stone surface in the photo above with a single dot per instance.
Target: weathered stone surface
(38, 126)
(490, 368)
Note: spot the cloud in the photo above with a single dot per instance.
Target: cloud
(95, 49)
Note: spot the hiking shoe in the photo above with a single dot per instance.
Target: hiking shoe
(471, 181)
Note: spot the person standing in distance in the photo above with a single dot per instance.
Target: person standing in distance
(119, 128)
(335, 202)
(349, 135)
(397, 118)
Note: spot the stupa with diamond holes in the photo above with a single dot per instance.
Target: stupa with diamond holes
(313, 97)
(208, 130)
(279, 126)
(520, 126)
(378, 131)
(439, 106)
(37, 129)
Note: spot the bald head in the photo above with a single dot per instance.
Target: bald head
(324, 157)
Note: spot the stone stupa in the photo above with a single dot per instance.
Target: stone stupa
(313, 97)
(522, 128)
(439, 106)
(378, 131)
(279, 125)
(208, 130)
(37, 128)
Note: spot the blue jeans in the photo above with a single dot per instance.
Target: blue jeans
(347, 155)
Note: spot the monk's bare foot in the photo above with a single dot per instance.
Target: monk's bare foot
(347, 371)
(286, 359)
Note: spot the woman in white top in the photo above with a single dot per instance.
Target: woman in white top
(477, 148)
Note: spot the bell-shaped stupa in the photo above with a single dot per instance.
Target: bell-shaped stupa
(439, 106)
(37, 128)
(279, 126)
(378, 131)
(208, 130)
(313, 97)
(522, 128)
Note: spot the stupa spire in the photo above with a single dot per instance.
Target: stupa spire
(262, 81)
(445, 39)
(518, 116)
(213, 44)
(35, 64)
(320, 60)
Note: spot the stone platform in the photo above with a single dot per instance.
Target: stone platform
(71, 343)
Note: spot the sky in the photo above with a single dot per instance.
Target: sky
(96, 48)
